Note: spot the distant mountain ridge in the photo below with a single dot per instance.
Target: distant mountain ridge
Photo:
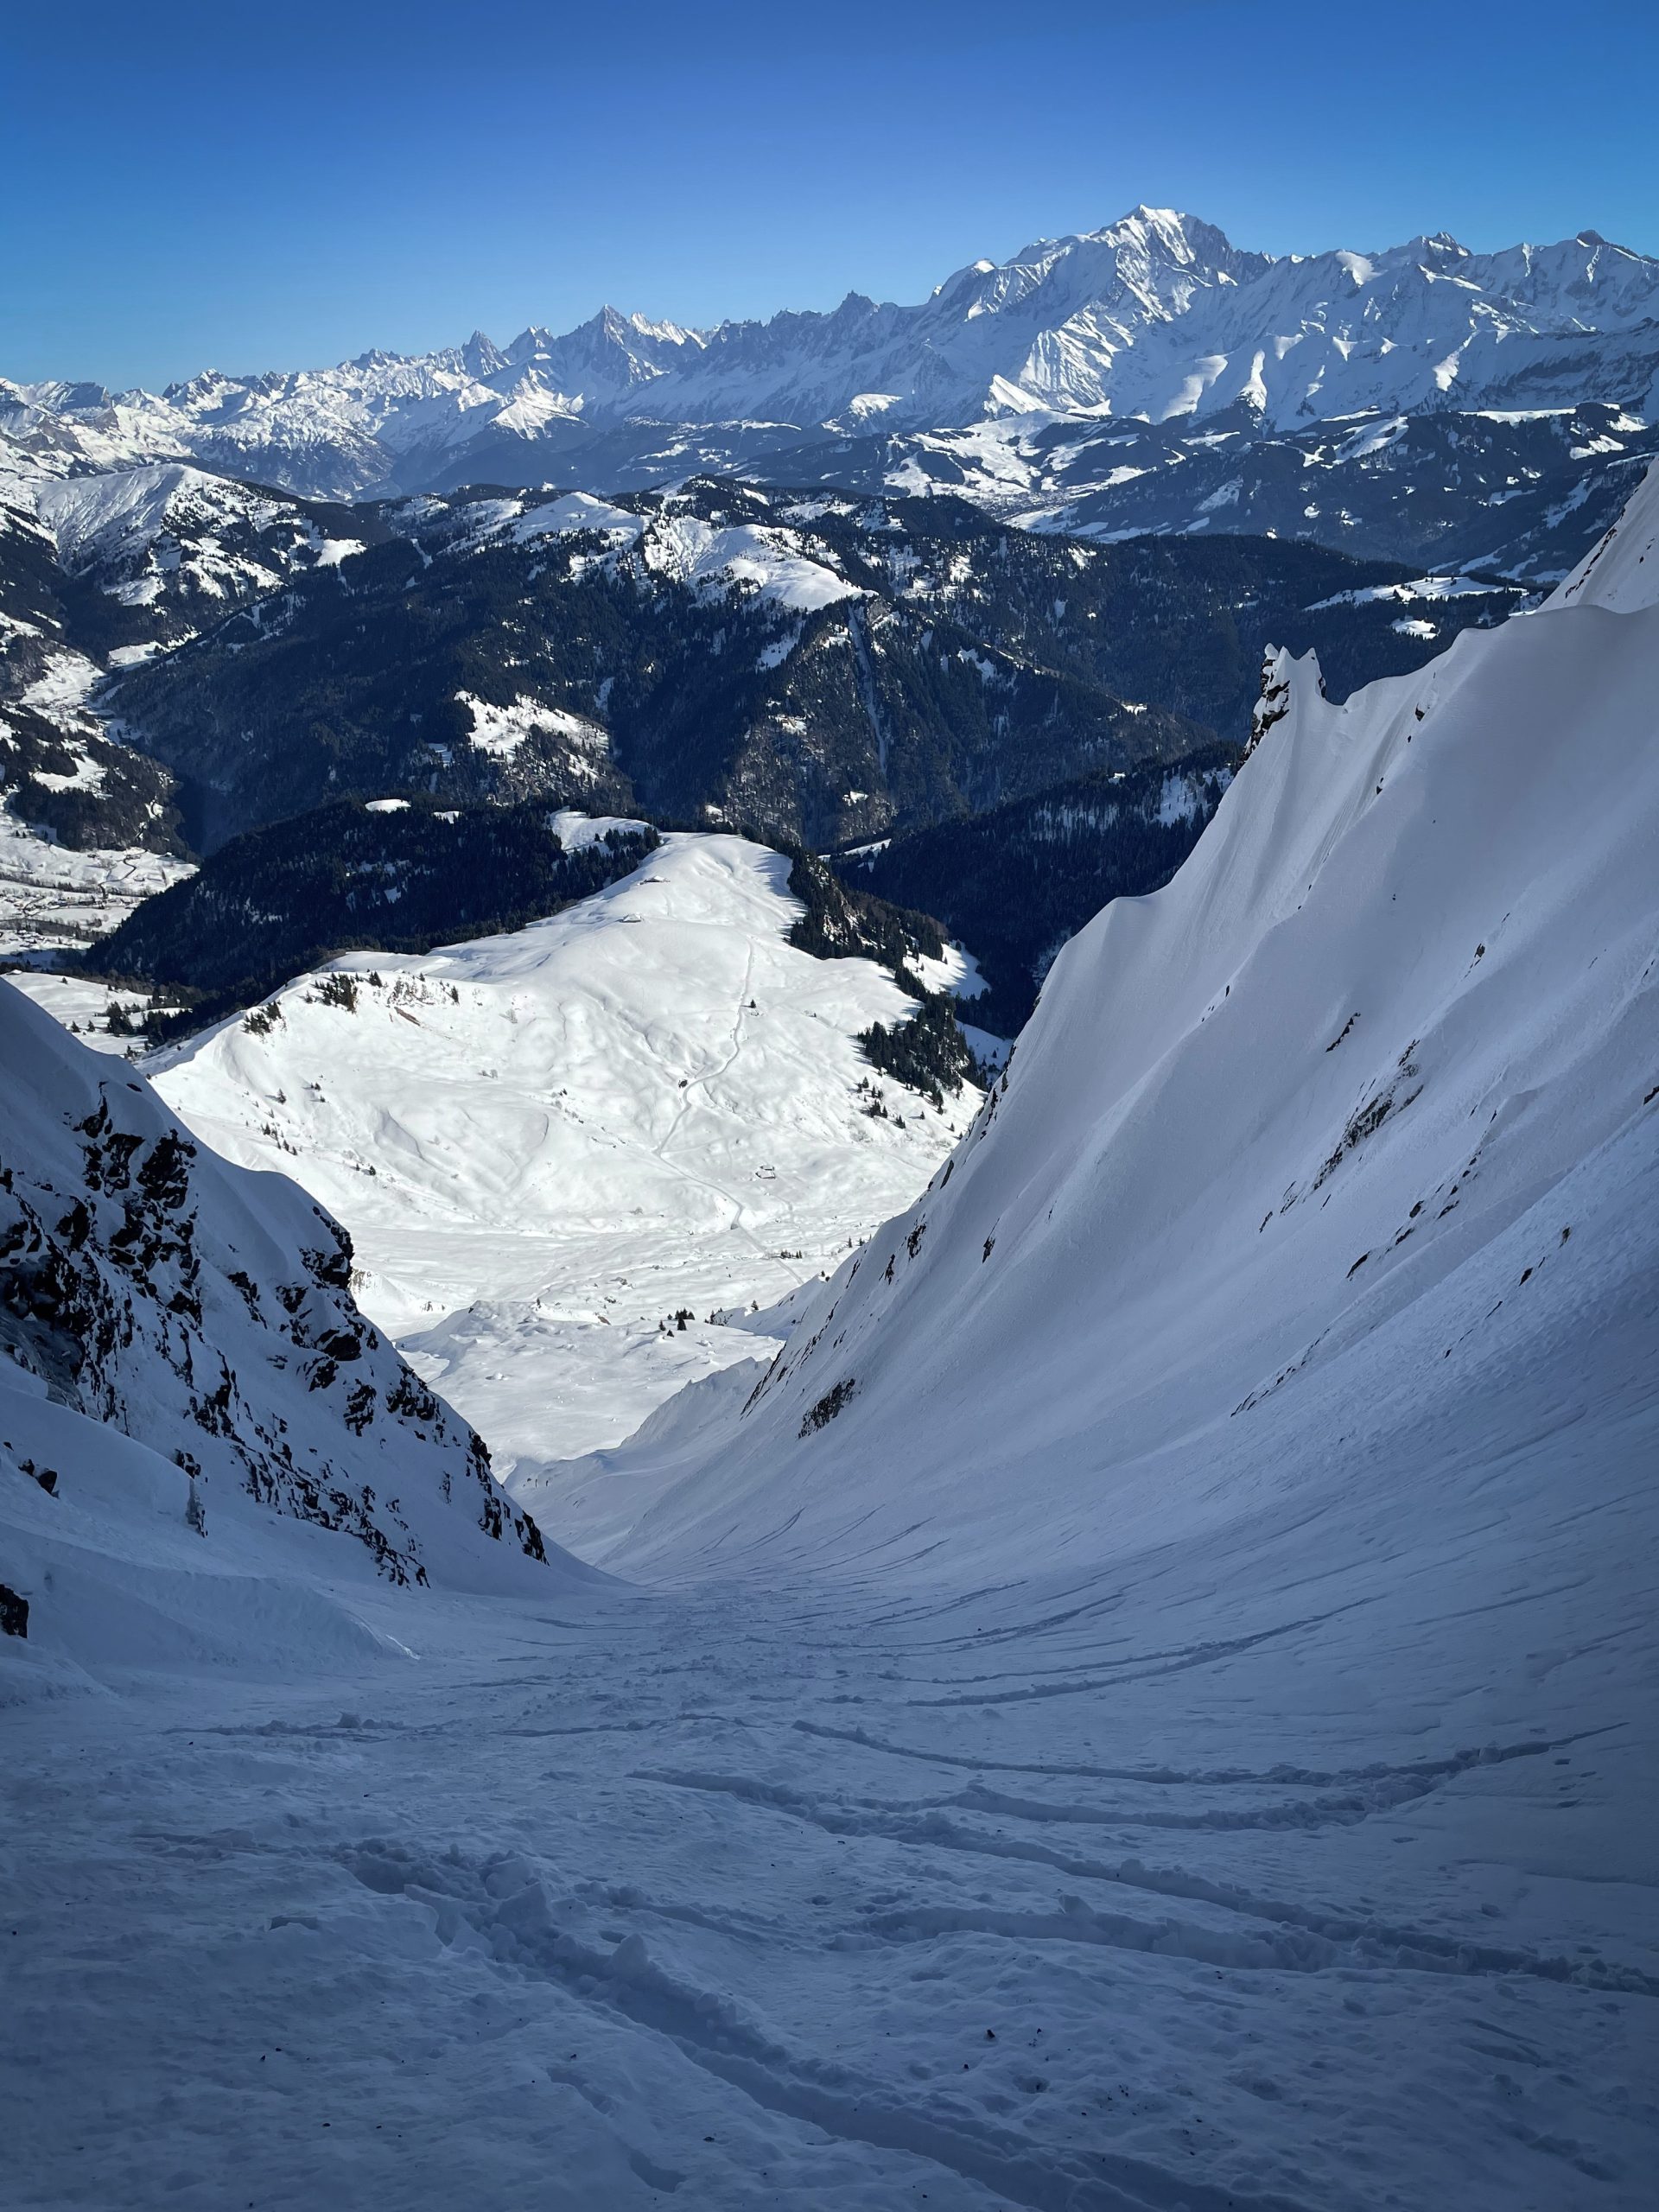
(1157, 318)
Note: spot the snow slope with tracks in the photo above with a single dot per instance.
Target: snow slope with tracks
(1176, 1729)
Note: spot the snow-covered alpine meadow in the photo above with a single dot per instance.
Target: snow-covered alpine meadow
(1146, 1701)
(548, 1145)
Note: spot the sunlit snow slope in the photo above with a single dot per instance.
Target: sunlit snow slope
(1321, 1187)
(547, 1144)
(1158, 1707)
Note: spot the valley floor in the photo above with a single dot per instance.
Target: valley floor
(830, 1897)
(563, 1151)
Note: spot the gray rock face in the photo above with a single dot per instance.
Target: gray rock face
(207, 1312)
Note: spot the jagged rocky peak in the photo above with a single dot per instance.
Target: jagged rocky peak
(481, 357)
(1186, 241)
(207, 1313)
(1157, 316)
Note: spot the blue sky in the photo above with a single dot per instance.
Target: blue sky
(239, 187)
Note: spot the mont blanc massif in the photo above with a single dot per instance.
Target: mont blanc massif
(830, 1253)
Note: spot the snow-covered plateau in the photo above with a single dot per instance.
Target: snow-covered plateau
(1148, 1702)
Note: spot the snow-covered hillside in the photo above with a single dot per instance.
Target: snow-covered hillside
(547, 1145)
(758, 558)
(1170, 1646)
(1281, 1157)
(1151, 1705)
(184, 543)
(183, 1368)
(101, 571)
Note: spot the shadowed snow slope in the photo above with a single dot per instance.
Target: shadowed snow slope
(186, 1358)
(545, 1143)
(1330, 1164)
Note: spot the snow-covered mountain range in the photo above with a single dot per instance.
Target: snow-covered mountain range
(1157, 318)
(1444, 411)
(1147, 1701)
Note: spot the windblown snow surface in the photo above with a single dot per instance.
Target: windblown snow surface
(1151, 1705)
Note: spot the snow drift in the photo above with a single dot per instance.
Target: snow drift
(1337, 1152)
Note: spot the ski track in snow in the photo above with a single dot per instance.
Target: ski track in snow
(602, 1901)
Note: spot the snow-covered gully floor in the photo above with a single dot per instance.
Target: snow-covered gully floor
(827, 1899)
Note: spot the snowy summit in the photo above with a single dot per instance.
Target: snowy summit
(1158, 315)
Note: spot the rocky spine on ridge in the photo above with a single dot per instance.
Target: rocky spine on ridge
(208, 1313)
